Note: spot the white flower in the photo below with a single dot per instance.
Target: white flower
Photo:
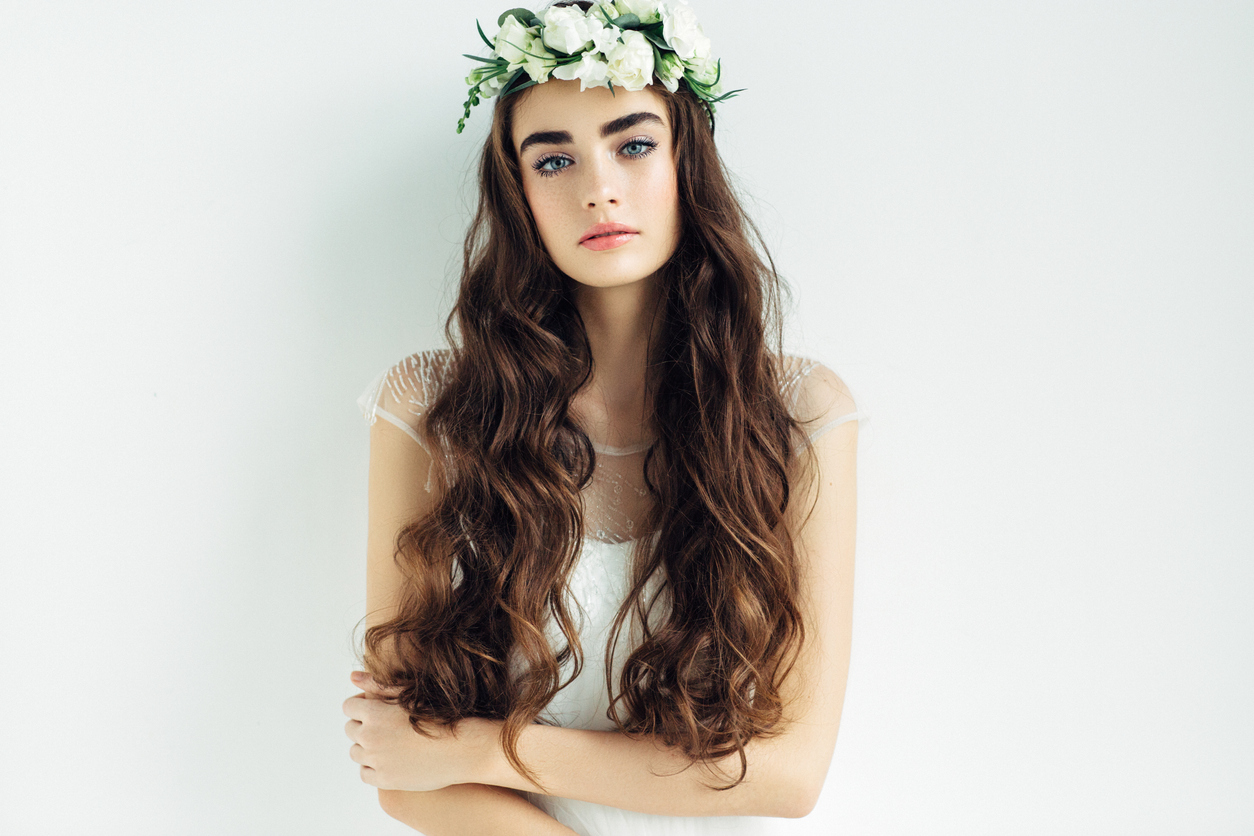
(670, 69)
(608, 6)
(701, 46)
(631, 62)
(567, 29)
(540, 63)
(646, 10)
(513, 41)
(705, 70)
(589, 69)
(681, 30)
(606, 38)
(487, 87)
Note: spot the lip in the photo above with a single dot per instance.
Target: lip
(601, 229)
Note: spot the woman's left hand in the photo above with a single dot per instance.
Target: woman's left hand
(395, 757)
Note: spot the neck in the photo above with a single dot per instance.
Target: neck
(622, 326)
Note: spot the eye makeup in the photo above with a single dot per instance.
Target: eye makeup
(538, 166)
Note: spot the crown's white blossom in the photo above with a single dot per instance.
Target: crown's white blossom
(606, 38)
(631, 62)
(682, 31)
(646, 10)
(670, 69)
(568, 29)
(514, 41)
(590, 72)
(624, 43)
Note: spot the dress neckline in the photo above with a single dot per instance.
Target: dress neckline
(623, 451)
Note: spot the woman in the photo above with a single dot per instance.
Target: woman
(610, 558)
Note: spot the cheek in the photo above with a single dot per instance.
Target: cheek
(664, 195)
(545, 208)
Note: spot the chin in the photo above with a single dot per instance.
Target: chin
(603, 280)
(614, 277)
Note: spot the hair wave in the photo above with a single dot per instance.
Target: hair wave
(490, 561)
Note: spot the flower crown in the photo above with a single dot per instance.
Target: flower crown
(622, 42)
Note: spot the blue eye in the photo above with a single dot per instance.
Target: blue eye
(543, 161)
(647, 144)
(541, 165)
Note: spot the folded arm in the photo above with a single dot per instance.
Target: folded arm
(470, 810)
(785, 773)
(608, 767)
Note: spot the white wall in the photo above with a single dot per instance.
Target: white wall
(1020, 231)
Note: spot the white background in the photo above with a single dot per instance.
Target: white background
(1023, 233)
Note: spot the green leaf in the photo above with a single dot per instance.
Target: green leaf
(535, 21)
(491, 45)
(523, 16)
(627, 21)
(484, 60)
(524, 52)
(656, 39)
(513, 78)
(500, 71)
(519, 87)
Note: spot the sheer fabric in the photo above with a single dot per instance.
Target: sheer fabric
(615, 500)
(614, 503)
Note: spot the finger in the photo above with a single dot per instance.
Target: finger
(353, 729)
(366, 682)
(357, 706)
(369, 776)
(358, 753)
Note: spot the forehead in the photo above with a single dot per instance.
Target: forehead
(559, 105)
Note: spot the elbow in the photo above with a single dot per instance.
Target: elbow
(797, 805)
(797, 797)
(801, 807)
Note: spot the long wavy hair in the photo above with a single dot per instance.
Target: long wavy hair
(489, 562)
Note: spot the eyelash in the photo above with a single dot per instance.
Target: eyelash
(551, 172)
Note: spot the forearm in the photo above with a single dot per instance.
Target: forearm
(471, 809)
(608, 767)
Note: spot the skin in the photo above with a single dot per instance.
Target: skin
(458, 781)
(593, 179)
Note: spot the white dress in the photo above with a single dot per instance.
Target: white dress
(613, 502)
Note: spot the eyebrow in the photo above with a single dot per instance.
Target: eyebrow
(610, 128)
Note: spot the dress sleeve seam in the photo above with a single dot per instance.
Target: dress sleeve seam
(814, 435)
(404, 427)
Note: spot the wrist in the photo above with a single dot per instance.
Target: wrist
(487, 736)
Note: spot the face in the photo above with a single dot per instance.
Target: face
(596, 157)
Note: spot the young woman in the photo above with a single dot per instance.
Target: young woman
(611, 534)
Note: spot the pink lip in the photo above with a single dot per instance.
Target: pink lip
(606, 241)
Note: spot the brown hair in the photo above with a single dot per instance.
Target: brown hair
(490, 561)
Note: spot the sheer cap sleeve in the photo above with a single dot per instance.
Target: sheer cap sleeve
(819, 398)
(401, 394)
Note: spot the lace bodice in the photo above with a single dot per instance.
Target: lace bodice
(616, 499)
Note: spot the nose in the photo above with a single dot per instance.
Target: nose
(602, 183)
